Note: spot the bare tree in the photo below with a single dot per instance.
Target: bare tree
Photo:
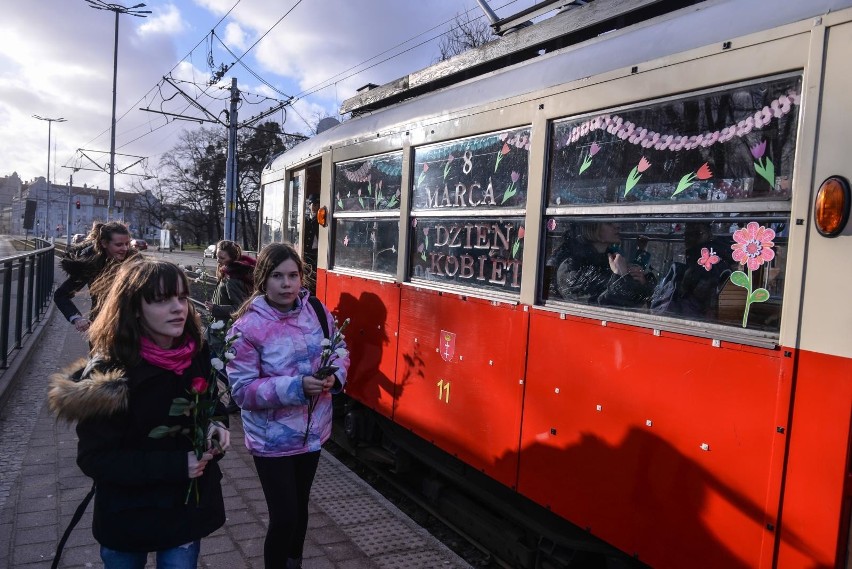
(193, 175)
(465, 33)
(256, 146)
(152, 202)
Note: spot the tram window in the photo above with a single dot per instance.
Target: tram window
(732, 144)
(481, 172)
(479, 176)
(366, 245)
(368, 184)
(724, 268)
(484, 253)
(366, 212)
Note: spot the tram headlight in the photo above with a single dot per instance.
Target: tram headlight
(831, 208)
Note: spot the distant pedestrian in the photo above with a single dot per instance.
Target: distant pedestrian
(147, 354)
(234, 283)
(284, 391)
(106, 246)
(234, 280)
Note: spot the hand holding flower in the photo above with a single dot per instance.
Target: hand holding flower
(313, 386)
(218, 438)
(195, 465)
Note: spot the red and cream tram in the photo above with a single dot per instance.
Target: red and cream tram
(609, 277)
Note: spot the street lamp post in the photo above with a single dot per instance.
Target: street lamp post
(68, 217)
(132, 11)
(47, 198)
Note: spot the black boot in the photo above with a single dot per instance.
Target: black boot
(294, 563)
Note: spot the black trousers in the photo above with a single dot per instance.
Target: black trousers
(286, 483)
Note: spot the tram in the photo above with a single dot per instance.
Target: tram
(599, 269)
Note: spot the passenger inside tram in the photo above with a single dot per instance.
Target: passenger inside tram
(691, 288)
(591, 268)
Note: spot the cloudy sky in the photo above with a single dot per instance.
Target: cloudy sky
(56, 60)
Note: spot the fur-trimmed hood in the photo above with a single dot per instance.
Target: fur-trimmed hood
(82, 391)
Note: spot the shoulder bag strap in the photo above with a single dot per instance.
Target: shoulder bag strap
(321, 315)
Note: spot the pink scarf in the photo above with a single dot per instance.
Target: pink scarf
(173, 359)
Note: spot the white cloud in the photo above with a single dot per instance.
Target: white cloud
(235, 37)
(167, 21)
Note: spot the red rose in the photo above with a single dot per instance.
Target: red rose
(199, 385)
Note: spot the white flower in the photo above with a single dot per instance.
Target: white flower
(218, 325)
(230, 355)
(217, 364)
(325, 343)
(341, 352)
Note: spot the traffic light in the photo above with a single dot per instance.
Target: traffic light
(78, 204)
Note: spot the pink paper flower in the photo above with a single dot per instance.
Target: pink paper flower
(753, 245)
(643, 165)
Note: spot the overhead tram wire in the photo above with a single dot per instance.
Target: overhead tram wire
(159, 83)
(250, 70)
(212, 33)
(322, 85)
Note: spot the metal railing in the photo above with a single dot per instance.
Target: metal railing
(27, 286)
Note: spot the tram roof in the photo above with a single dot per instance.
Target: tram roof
(707, 23)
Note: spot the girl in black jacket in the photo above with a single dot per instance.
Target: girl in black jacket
(106, 245)
(153, 494)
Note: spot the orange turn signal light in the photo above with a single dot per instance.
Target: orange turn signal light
(831, 208)
(322, 216)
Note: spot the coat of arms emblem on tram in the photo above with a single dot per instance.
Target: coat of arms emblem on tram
(447, 345)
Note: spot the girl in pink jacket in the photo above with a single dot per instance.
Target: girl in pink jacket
(285, 397)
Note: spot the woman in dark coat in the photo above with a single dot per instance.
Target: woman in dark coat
(591, 269)
(235, 280)
(106, 246)
(154, 494)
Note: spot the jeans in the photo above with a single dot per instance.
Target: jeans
(181, 557)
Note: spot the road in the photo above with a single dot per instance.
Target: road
(182, 258)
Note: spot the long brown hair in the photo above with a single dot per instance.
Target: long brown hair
(117, 331)
(270, 257)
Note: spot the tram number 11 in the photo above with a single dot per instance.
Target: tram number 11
(444, 391)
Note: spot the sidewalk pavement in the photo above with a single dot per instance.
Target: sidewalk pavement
(351, 525)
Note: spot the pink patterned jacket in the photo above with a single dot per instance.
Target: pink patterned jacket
(273, 353)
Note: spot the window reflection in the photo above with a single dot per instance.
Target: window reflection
(366, 245)
(681, 267)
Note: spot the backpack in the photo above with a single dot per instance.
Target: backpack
(667, 293)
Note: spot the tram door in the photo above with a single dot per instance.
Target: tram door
(301, 222)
